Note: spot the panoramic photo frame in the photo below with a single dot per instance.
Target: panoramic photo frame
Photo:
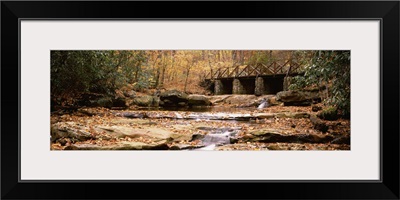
(129, 129)
(93, 178)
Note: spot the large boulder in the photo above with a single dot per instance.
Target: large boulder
(297, 98)
(173, 98)
(198, 100)
(146, 101)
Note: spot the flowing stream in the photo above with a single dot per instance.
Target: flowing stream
(215, 136)
(202, 109)
(211, 136)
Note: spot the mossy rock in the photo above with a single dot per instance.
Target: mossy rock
(329, 113)
(173, 98)
(145, 101)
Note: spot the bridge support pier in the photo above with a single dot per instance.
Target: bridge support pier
(237, 87)
(218, 87)
(259, 89)
(286, 83)
(259, 85)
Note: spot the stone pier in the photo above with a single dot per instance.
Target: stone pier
(260, 85)
(237, 87)
(259, 89)
(286, 83)
(218, 87)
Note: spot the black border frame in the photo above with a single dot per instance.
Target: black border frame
(386, 11)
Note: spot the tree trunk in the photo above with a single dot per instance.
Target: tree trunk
(137, 71)
(164, 66)
(241, 57)
(234, 57)
(187, 76)
(162, 76)
(170, 76)
(211, 69)
(157, 76)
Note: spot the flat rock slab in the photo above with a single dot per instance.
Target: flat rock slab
(273, 135)
(124, 145)
(296, 115)
(148, 132)
(306, 146)
(81, 133)
(264, 115)
(216, 99)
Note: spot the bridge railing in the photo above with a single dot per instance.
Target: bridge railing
(273, 68)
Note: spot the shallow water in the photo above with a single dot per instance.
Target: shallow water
(214, 137)
(200, 109)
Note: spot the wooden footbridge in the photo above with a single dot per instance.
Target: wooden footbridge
(252, 79)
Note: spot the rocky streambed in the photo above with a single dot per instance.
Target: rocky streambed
(268, 129)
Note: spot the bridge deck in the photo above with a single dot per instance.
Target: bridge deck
(254, 77)
(273, 69)
(251, 77)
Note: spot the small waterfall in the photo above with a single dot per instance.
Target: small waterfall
(264, 104)
(218, 138)
(215, 139)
